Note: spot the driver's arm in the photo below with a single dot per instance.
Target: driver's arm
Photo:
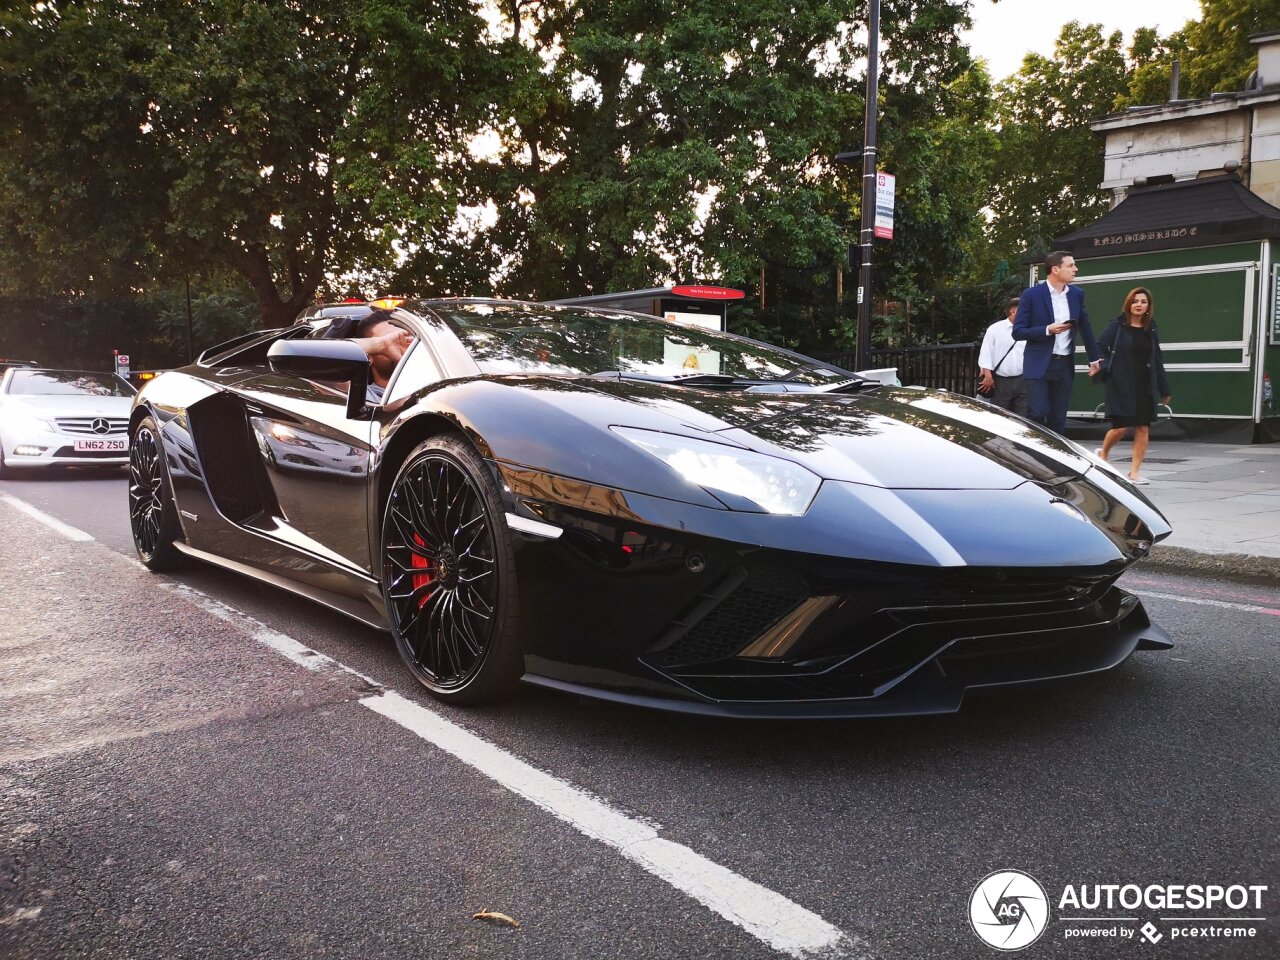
(390, 345)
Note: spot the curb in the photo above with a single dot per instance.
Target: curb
(1234, 566)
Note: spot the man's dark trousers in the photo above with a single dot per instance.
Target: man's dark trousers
(1011, 394)
(1049, 396)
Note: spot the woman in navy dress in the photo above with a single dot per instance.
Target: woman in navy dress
(1136, 382)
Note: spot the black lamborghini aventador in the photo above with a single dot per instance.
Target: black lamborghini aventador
(660, 514)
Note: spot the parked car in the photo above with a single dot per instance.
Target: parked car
(8, 363)
(51, 417)
(550, 494)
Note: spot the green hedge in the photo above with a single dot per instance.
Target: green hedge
(152, 330)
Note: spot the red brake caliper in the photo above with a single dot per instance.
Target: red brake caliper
(420, 563)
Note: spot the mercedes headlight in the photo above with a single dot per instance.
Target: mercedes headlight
(744, 479)
(20, 420)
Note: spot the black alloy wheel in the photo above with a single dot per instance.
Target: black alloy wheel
(153, 516)
(448, 576)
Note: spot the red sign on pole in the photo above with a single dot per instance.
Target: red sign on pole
(707, 293)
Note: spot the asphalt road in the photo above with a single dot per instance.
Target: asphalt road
(172, 785)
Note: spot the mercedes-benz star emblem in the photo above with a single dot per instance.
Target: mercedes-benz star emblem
(101, 425)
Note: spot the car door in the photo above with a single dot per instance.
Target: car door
(316, 461)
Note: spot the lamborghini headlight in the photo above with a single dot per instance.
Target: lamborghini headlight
(745, 480)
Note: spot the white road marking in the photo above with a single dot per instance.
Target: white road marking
(1205, 602)
(53, 523)
(19, 915)
(766, 915)
(282, 644)
(781, 923)
(769, 916)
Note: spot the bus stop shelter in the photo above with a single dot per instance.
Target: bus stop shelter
(700, 305)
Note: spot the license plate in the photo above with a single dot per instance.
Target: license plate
(118, 445)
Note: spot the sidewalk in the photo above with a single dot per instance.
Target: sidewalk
(1222, 500)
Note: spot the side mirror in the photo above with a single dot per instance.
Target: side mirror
(336, 360)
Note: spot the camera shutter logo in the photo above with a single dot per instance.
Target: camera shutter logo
(1009, 910)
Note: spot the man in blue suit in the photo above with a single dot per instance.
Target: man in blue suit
(1051, 318)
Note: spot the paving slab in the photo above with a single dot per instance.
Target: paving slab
(1223, 501)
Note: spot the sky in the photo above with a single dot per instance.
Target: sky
(1002, 33)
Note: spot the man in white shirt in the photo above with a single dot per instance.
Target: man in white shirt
(1000, 360)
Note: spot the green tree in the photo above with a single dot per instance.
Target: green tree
(290, 143)
(559, 147)
(941, 144)
(1219, 54)
(1214, 52)
(1152, 56)
(647, 143)
(1049, 163)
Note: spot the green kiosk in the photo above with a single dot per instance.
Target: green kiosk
(1206, 250)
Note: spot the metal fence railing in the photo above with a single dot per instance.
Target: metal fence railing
(952, 366)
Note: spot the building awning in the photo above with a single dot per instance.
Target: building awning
(1175, 216)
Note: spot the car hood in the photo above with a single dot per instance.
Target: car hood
(895, 438)
(950, 480)
(71, 406)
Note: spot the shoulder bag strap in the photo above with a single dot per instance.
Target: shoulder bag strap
(1002, 359)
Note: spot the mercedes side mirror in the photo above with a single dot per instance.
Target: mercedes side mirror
(332, 360)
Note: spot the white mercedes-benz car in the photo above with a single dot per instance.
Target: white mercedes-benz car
(50, 417)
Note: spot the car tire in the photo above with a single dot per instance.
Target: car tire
(448, 575)
(153, 515)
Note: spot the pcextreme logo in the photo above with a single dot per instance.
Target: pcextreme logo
(1008, 910)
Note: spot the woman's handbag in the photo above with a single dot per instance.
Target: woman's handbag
(1104, 368)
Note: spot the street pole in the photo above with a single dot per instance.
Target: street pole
(191, 342)
(863, 347)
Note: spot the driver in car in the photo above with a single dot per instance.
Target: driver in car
(383, 343)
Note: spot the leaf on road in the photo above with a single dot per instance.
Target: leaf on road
(493, 915)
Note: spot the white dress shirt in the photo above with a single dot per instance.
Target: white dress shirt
(1061, 314)
(995, 344)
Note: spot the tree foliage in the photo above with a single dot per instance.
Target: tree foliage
(152, 329)
(642, 141)
(537, 147)
(1214, 52)
(1219, 56)
(284, 142)
(1049, 163)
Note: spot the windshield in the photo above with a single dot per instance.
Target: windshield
(64, 383)
(525, 338)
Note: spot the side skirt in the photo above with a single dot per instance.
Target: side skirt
(355, 609)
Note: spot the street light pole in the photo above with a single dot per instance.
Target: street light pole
(191, 341)
(863, 347)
